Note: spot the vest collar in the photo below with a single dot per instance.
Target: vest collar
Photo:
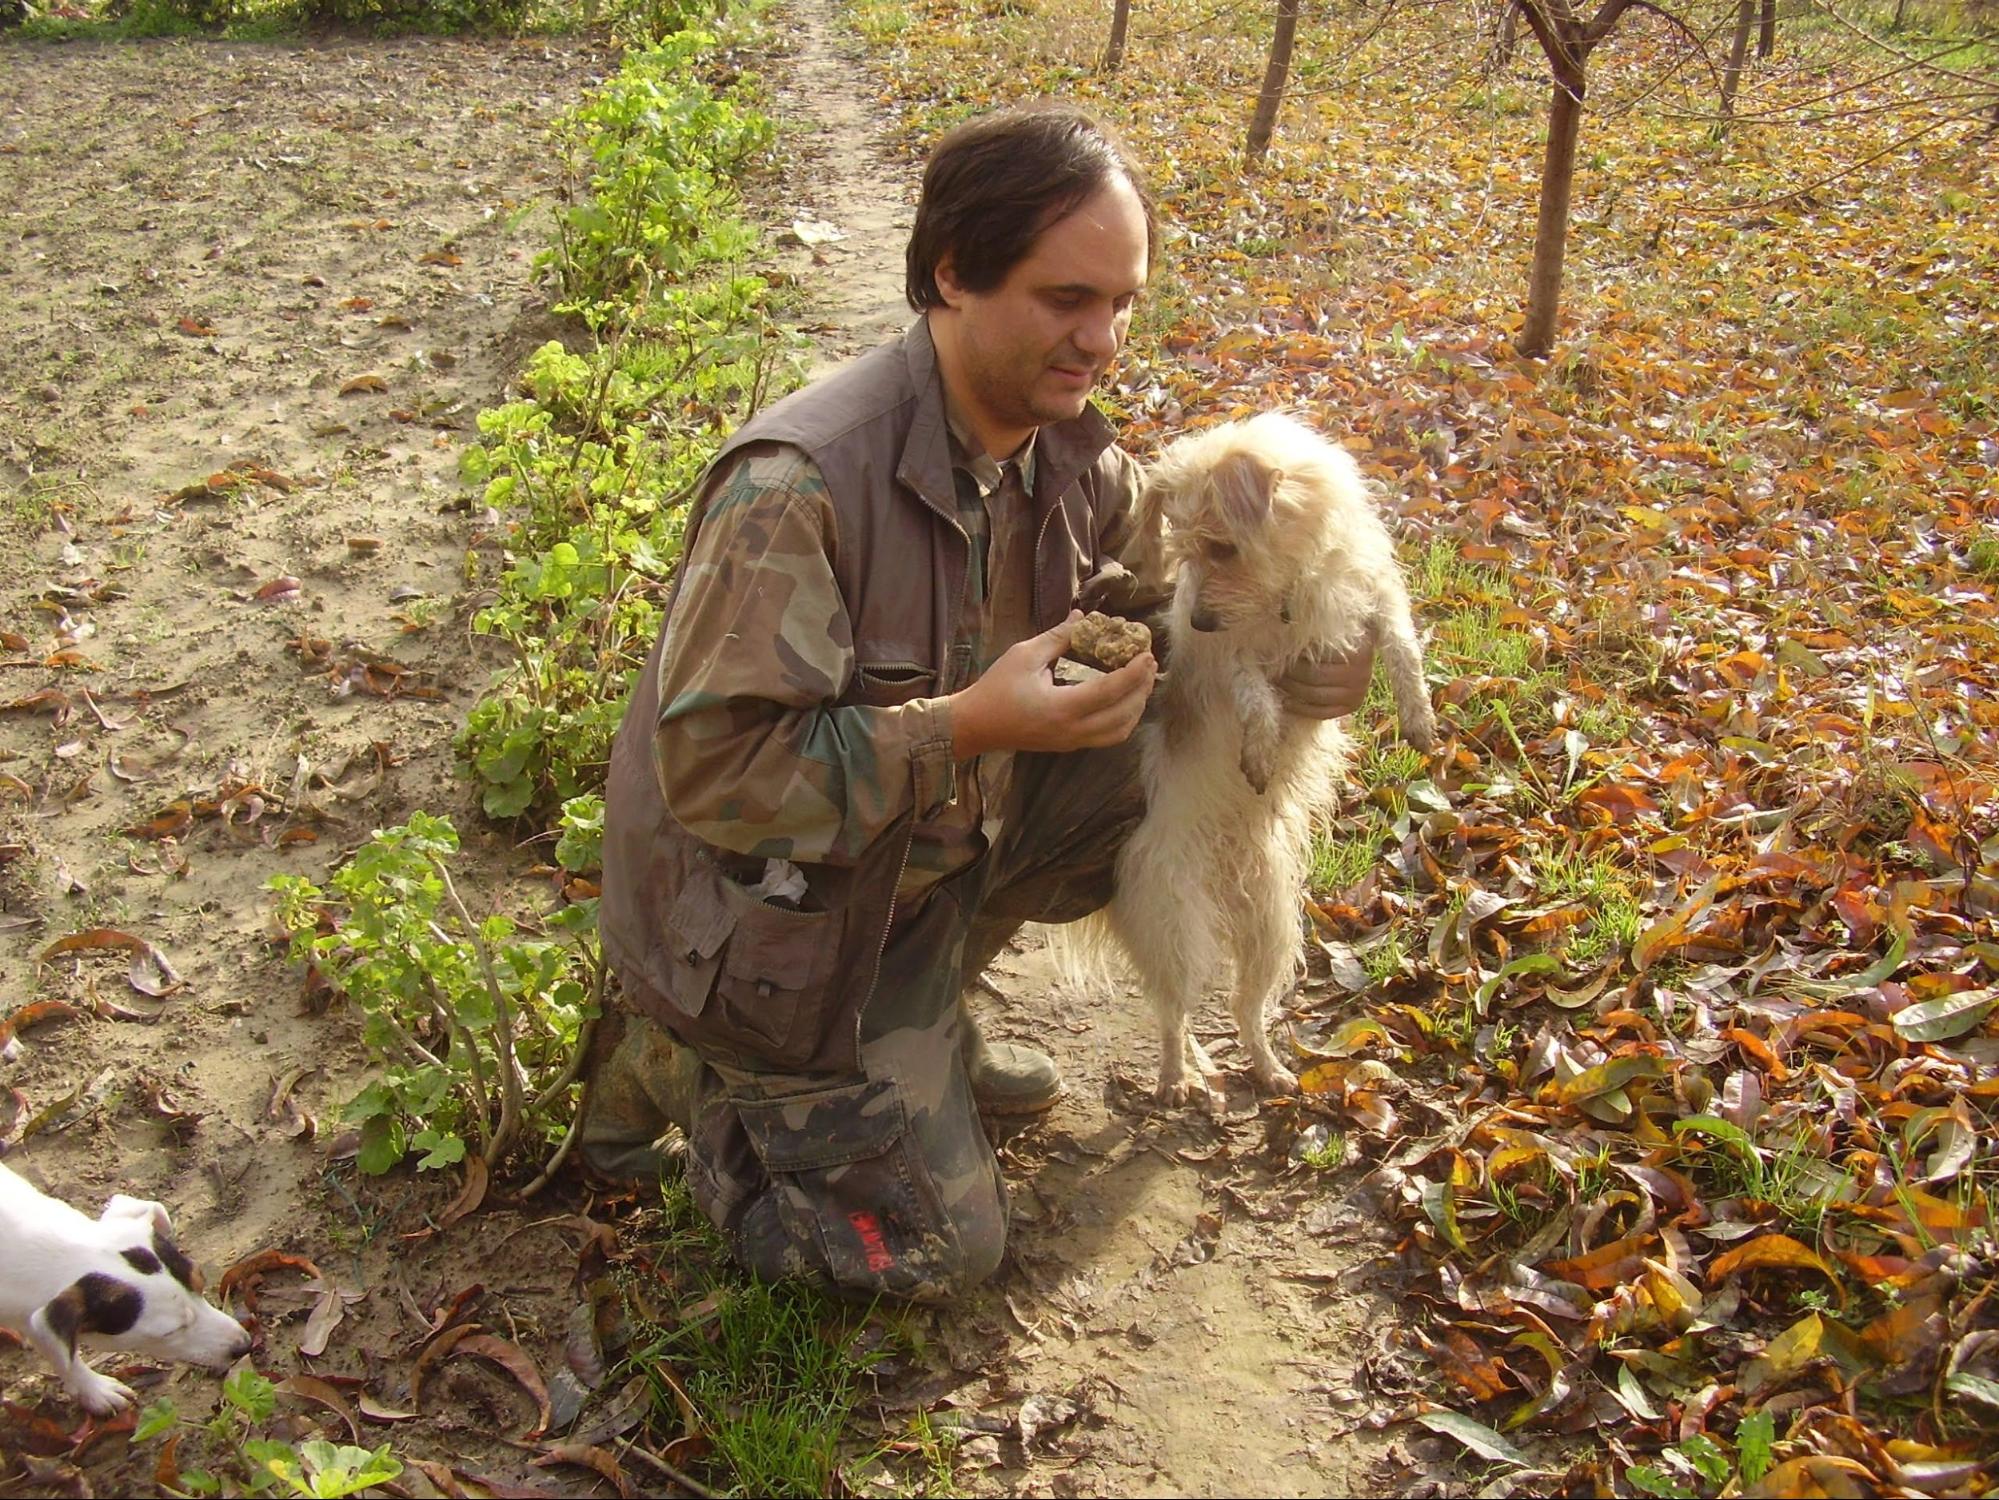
(1063, 450)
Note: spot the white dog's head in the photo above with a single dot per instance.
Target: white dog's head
(150, 1299)
(1249, 510)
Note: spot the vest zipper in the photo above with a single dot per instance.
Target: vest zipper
(1034, 593)
(881, 948)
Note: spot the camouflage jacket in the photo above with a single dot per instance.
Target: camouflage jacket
(795, 707)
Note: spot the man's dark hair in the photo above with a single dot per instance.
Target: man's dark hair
(995, 183)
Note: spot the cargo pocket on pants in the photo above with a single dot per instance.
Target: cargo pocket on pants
(755, 977)
(851, 1191)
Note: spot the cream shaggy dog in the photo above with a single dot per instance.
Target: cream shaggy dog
(1279, 554)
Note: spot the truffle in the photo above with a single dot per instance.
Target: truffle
(1108, 642)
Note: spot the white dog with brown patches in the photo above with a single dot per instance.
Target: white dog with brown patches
(1279, 554)
(118, 1279)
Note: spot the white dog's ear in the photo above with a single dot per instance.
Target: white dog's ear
(1244, 485)
(142, 1209)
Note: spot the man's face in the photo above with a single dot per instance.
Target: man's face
(1031, 350)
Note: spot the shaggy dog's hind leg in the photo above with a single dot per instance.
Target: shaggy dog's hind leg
(1172, 948)
(1266, 956)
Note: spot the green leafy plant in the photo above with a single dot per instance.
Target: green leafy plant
(1699, 1465)
(480, 1023)
(236, 1457)
(652, 154)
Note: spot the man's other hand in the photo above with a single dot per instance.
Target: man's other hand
(1018, 704)
(1326, 687)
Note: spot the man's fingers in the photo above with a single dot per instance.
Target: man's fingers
(1047, 647)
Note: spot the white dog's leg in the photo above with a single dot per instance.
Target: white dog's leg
(53, 1329)
(1168, 934)
(1401, 653)
(1265, 958)
(1261, 715)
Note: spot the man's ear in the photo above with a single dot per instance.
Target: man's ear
(1244, 486)
(945, 274)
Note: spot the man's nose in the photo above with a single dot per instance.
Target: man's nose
(1099, 334)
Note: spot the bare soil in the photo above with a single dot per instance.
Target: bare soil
(258, 294)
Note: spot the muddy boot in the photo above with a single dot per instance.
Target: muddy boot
(641, 1095)
(1007, 1078)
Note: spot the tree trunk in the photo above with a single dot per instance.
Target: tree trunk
(1274, 78)
(1551, 229)
(1508, 38)
(1766, 34)
(1120, 22)
(1738, 49)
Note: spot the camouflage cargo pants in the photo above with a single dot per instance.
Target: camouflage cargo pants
(883, 1182)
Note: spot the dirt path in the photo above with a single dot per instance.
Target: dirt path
(302, 269)
(258, 294)
(1182, 1313)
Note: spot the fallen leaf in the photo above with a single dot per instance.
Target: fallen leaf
(511, 1358)
(587, 1456)
(312, 1388)
(253, 1267)
(1475, 1435)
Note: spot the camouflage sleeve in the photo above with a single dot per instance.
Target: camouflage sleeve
(752, 752)
(1129, 576)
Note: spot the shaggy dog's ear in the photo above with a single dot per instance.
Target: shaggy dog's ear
(1244, 485)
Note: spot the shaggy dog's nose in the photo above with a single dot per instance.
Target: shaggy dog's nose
(1204, 619)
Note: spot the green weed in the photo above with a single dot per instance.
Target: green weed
(1701, 1465)
(652, 156)
(774, 1372)
(1340, 862)
(232, 1458)
(1562, 873)
(480, 1025)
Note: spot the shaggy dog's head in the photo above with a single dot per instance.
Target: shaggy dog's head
(1250, 510)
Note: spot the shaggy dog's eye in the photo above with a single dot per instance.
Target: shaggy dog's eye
(1222, 551)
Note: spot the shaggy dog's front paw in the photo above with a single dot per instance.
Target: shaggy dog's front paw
(1258, 766)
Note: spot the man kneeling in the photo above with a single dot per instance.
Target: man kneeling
(847, 774)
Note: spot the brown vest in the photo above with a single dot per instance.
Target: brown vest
(693, 948)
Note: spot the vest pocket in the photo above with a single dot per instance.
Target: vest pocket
(892, 684)
(755, 977)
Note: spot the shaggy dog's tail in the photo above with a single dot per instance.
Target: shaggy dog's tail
(1087, 954)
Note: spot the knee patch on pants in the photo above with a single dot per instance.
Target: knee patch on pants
(855, 1200)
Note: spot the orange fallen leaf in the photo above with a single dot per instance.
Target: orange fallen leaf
(312, 1388)
(364, 383)
(1772, 1251)
(35, 1014)
(195, 328)
(474, 1193)
(169, 822)
(254, 1265)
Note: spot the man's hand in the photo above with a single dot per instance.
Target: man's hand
(1018, 705)
(1327, 687)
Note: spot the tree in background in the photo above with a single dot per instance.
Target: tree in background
(1275, 76)
(1120, 24)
